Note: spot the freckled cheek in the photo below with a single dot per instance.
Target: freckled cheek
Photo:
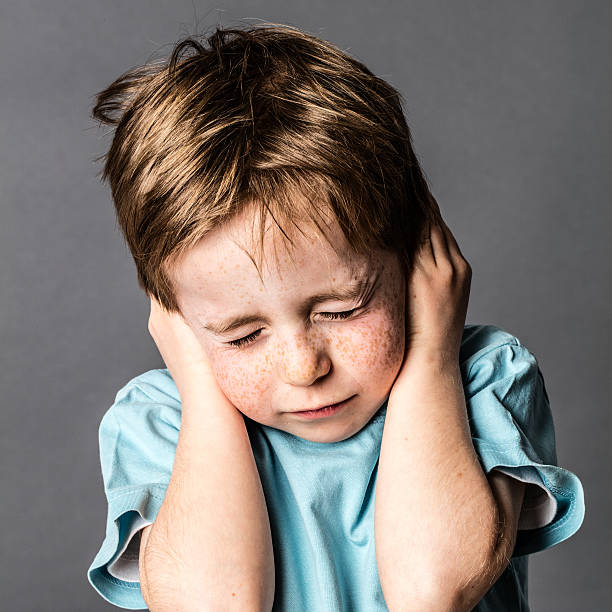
(244, 381)
(378, 345)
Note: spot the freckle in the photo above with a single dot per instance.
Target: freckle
(459, 474)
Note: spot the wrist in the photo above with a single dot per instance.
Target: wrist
(205, 405)
(425, 367)
(194, 383)
(434, 357)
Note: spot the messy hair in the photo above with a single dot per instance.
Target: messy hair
(256, 116)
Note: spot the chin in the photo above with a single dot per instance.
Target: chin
(334, 433)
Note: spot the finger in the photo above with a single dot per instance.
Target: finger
(154, 304)
(438, 236)
(438, 240)
(157, 311)
(452, 243)
(435, 206)
(426, 251)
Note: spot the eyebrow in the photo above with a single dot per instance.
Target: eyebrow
(357, 290)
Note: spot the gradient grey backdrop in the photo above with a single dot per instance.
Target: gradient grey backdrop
(510, 107)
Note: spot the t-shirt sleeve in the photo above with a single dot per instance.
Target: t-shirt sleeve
(512, 431)
(137, 436)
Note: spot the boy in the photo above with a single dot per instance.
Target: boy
(328, 434)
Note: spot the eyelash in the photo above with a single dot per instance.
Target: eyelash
(251, 337)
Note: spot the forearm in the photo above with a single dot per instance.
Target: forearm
(210, 546)
(436, 519)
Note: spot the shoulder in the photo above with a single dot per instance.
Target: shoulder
(494, 350)
(153, 386)
(478, 340)
(148, 397)
(494, 359)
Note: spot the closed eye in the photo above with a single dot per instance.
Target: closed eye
(251, 337)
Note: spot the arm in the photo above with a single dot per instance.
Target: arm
(210, 546)
(446, 546)
(443, 534)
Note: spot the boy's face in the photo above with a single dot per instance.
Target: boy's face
(298, 357)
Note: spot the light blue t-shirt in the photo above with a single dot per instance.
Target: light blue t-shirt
(320, 497)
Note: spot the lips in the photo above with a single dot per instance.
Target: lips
(325, 405)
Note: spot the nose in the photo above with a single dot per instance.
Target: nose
(303, 360)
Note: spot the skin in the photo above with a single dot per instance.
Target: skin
(301, 358)
(404, 346)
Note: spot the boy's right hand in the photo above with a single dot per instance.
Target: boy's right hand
(181, 351)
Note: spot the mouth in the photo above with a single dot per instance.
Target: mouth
(323, 412)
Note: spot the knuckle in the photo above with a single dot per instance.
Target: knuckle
(447, 271)
(464, 266)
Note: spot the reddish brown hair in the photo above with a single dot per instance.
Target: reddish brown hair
(255, 116)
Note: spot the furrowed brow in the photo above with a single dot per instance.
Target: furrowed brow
(354, 292)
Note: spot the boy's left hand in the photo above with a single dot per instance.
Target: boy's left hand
(437, 295)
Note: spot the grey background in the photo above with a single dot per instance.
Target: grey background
(509, 104)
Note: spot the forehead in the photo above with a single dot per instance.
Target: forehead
(232, 253)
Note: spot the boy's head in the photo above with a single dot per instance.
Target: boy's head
(263, 120)
(283, 339)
